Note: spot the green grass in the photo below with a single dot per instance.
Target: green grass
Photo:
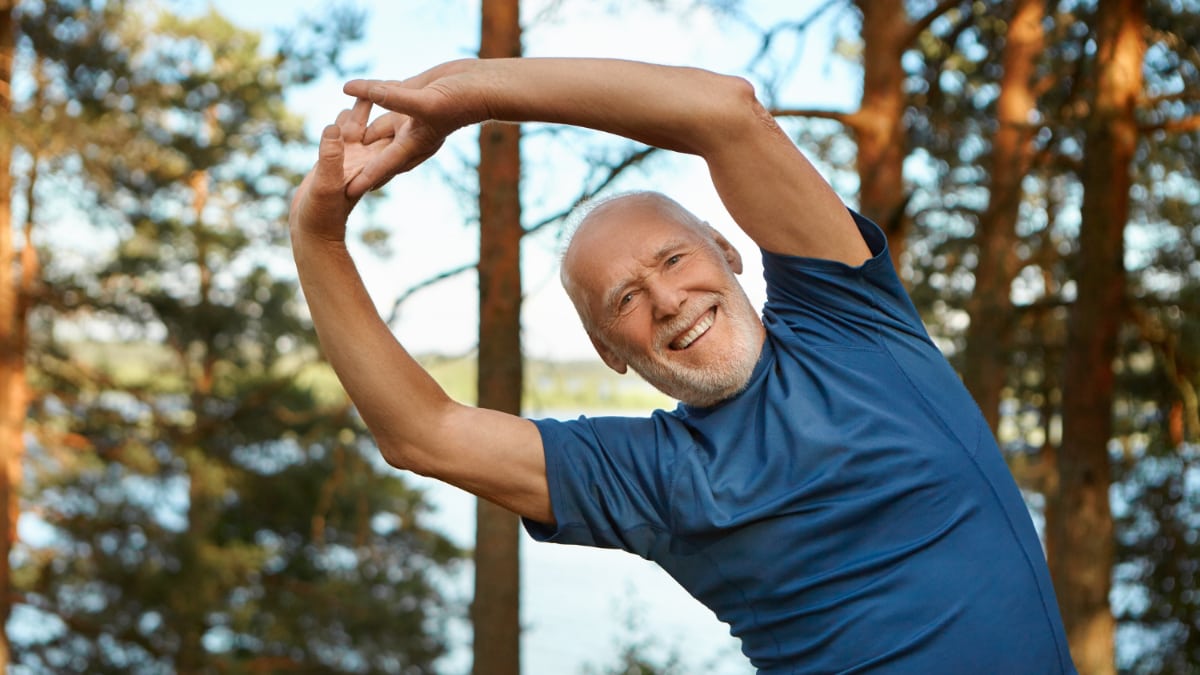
(554, 387)
(557, 386)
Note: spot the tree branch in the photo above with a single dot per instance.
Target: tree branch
(421, 285)
(1183, 95)
(614, 172)
(1181, 126)
(795, 26)
(917, 27)
(849, 119)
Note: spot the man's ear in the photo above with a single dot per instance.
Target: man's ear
(727, 250)
(607, 355)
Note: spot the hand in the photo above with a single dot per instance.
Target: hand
(424, 110)
(321, 204)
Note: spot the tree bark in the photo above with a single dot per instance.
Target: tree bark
(495, 612)
(1080, 525)
(12, 351)
(879, 122)
(990, 306)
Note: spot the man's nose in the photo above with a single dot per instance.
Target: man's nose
(666, 299)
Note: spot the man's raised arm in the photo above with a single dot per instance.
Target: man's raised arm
(417, 426)
(771, 190)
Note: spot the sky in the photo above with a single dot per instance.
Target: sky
(577, 603)
(426, 219)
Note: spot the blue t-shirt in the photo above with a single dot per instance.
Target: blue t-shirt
(848, 512)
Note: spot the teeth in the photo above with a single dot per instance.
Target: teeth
(696, 331)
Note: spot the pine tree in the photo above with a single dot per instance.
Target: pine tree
(208, 500)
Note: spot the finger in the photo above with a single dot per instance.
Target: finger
(324, 179)
(415, 82)
(393, 159)
(341, 118)
(358, 88)
(327, 174)
(392, 96)
(356, 121)
(384, 127)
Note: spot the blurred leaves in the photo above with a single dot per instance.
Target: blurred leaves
(203, 497)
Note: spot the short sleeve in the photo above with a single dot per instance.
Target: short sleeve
(608, 479)
(830, 303)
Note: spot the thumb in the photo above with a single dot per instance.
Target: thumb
(327, 174)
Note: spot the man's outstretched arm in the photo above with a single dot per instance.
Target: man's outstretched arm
(417, 426)
(769, 187)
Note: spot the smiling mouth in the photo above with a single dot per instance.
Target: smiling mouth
(696, 331)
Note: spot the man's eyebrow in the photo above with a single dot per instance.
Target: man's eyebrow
(614, 294)
(669, 248)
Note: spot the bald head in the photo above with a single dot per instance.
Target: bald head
(605, 230)
(605, 216)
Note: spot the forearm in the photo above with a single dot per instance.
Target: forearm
(677, 108)
(397, 399)
(766, 183)
(768, 186)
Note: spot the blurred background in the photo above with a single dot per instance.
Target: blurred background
(186, 488)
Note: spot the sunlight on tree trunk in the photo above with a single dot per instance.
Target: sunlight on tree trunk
(12, 356)
(879, 129)
(495, 612)
(996, 236)
(1080, 527)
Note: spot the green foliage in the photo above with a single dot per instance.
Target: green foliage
(1157, 578)
(211, 504)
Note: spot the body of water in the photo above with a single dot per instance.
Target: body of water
(581, 605)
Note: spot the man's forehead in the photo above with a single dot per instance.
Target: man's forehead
(633, 219)
(616, 240)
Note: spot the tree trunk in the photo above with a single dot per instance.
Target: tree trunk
(990, 307)
(12, 352)
(879, 122)
(1080, 525)
(495, 612)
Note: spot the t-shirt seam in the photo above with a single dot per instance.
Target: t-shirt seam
(675, 535)
(972, 453)
(745, 601)
(1029, 565)
(933, 410)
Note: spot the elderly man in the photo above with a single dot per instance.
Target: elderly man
(826, 486)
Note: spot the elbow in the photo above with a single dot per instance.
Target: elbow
(736, 113)
(745, 110)
(399, 455)
(419, 444)
(408, 457)
(738, 90)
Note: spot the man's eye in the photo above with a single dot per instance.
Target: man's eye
(626, 299)
(674, 259)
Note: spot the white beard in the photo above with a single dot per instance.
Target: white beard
(716, 380)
